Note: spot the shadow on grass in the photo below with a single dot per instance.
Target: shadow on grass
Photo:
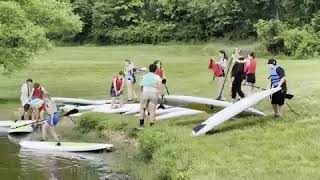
(241, 124)
(8, 100)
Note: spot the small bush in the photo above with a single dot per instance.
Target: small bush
(150, 140)
(88, 122)
(269, 32)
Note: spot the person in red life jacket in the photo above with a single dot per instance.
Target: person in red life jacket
(237, 76)
(37, 102)
(218, 69)
(278, 79)
(161, 74)
(116, 89)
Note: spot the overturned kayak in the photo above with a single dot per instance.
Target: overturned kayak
(65, 146)
(180, 113)
(231, 111)
(6, 124)
(76, 101)
(194, 102)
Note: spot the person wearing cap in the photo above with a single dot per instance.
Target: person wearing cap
(150, 84)
(116, 89)
(161, 74)
(130, 79)
(237, 76)
(278, 79)
(26, 90)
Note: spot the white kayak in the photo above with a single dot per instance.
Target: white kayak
(67, 108)
(189, 101)
(77, 101)
(24, 129)
(180, 113)
(65, 146)
(6, 123)
(106, 108)
(231, 111)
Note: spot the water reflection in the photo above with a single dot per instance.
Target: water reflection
(23, 164)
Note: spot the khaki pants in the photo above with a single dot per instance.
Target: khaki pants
(148, 102)
(130, 90)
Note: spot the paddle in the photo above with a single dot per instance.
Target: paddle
(225, 79)
(288, 96)
(73, 111)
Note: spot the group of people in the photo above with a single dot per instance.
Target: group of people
(152, 86)
(36, 102)
(244, 69)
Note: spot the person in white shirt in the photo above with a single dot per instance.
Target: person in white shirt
(25, 97)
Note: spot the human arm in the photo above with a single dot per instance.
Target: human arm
(282, 75)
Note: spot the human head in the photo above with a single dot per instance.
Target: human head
(121, 74)
(26, 107)
(251, 55)
(222, 54)
(152, 68)
(272, 62)
(158, 63)
(29, 80)
(36, 85)
(127, 61)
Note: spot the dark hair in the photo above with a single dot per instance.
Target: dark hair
(29, 80)
(121, 73)
(36, 85)
(157, 61)
(252, 54)
(272, 61)
(153, 68)
(224, 54)
(26, 107)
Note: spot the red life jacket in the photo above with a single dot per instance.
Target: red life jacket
(159, 72)
(250, 68)
(37, 93)
(118, 83)
(215, 68)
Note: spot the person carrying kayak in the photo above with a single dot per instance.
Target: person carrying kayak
(161, 74)
(278, 79)
(151, 84)
(237, 76)
(250, 70)
(26, 90)
(131, 79)
(52, 121)
(116, 89)
(218, 69)
(37, 102)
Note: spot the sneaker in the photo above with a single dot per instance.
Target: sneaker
(58, 144)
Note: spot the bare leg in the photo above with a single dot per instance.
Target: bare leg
(121, 100)
(44, 131)
(220, 81)
(41, 115)
(275, 109)
(279, 110)
(129, 89)
(112, 103)
(53, 133)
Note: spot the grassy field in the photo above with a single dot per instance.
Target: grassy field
(247, 148)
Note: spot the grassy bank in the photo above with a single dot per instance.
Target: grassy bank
(247, 148)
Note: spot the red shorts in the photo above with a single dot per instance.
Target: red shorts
(43, 107)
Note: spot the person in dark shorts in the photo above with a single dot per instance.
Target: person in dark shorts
(237, 76)
(278, 78)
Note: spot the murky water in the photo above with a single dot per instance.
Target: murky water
(22, 164)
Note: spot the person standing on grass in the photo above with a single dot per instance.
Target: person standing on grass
(218, 69)
(151, 84)
(237, 76)
(117, 89)
(26, 90)
(250, 70)
(131, 79)
(161, 74)
(278, 79)
(52, 121)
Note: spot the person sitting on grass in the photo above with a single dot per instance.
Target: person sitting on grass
(116, 89)
(278, 79)
(52, 121)
(151, 84)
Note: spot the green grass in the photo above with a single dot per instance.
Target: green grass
(247, 148)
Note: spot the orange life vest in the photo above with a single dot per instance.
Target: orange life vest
(215, 68)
